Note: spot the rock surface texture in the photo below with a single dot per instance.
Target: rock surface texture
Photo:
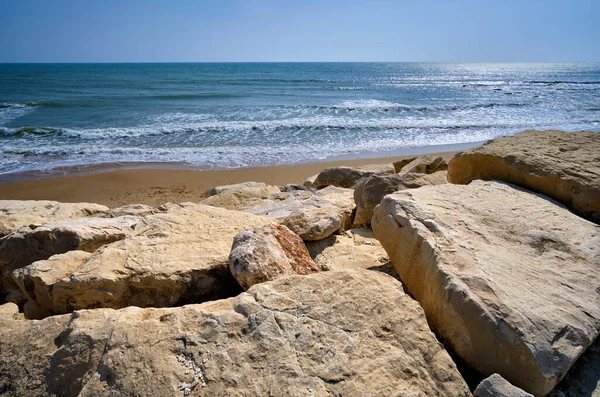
(353, 249)
(507, 277)
(313, 224)
(497, 386)
(346, 177)
(304, 209)
(583, 379)
(347, 333)
(371, 189)
(171, 258)
(232, 196)
(427, 164)
(562, 165)
(33, 243)
(17, 213)
(266, 253)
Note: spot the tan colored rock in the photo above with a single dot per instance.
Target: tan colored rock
(131, 209)
(30, 244)
(354, 249)
(37, 282)
(308, 182)
(562, 165)
(508, 278)
(497, 386)
(10, 311)
(232, 196)
(427, 164)
(378, 168)
(313, 223)
(17, 213)
(234, 188)
(343, 199)
(346, 177)
(266, 253)
(399, 164)
(171, 258)
(282, 205)
(371, 189)
(347, 333)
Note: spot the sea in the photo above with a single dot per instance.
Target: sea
(229, 115)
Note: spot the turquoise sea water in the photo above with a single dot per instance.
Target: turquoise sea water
(234, 114)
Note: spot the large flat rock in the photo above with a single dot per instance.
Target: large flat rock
(347, 333)
(562, 165)
(508, 278)
(171, 258)
(17, 213)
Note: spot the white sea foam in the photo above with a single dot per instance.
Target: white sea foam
(12, 111)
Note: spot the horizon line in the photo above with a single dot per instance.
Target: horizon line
(257, 62)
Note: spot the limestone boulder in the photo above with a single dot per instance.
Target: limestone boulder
(232, 196)
(371, 189)
(314, 223)
(347, 333)
(343, 199)
(17, 213)
(399, 164)
(353, 249)
(427, 164)
(346, 177)
(33, 243)
(171, 258)
(562, 165)
(329, 200)
(508, 278)
(497, 386)
(266, 253)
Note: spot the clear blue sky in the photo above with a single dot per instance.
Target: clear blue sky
(310, 30)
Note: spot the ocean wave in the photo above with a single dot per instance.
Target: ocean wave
(553, 82)
(384, 106)
(240, 130)
(12, 111)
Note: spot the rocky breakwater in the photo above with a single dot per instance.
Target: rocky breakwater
(345, 333)
(507, 277)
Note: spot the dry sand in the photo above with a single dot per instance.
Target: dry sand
(158, 186)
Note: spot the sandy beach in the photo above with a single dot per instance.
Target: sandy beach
(158, 186)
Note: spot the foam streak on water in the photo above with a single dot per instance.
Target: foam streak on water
(235, 115)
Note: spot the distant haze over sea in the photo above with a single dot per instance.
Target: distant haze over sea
(223, 115)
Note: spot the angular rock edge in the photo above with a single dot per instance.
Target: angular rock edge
(472, 256)
(562, 165)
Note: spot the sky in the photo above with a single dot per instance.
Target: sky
(299, 31)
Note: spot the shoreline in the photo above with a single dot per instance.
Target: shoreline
(156, 186)
(85, 169)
